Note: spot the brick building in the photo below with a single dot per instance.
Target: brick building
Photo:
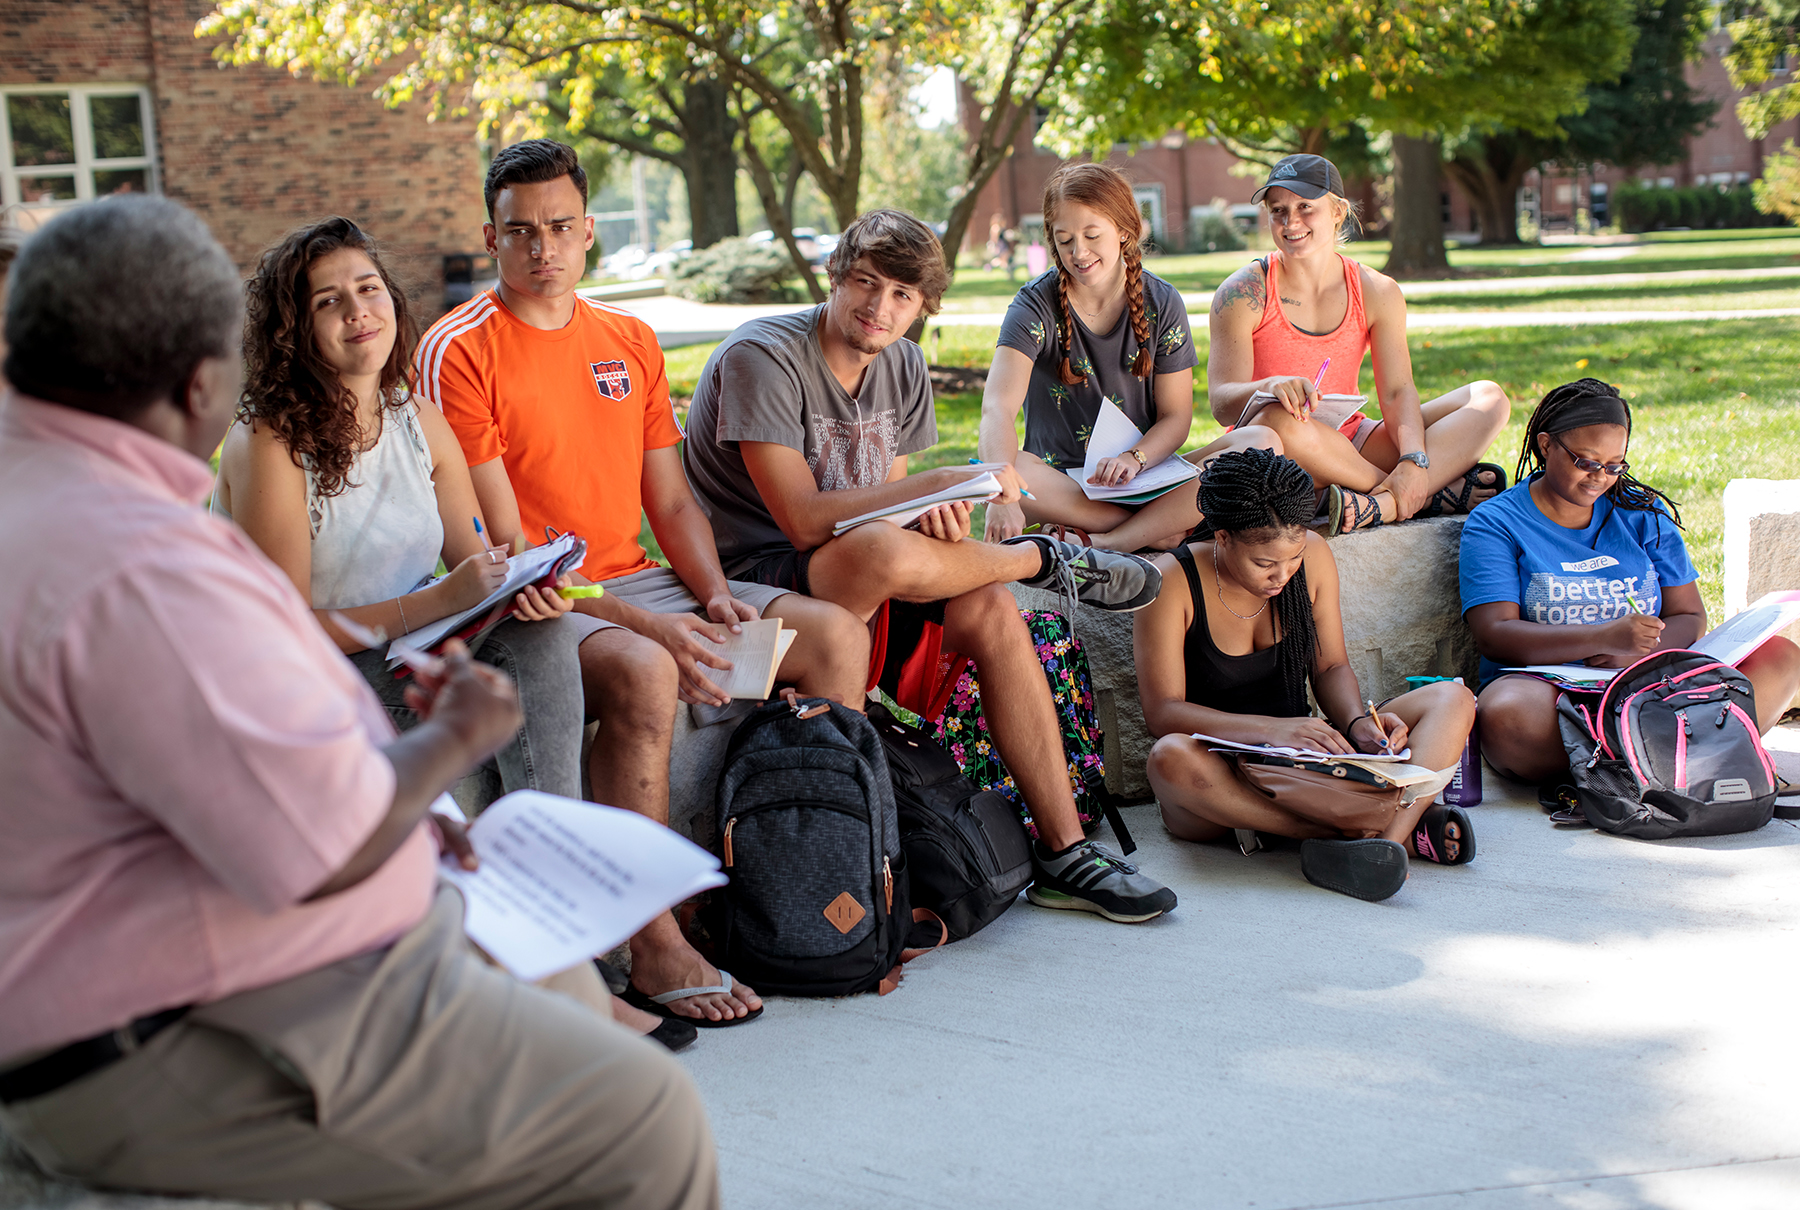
(1177, 176)
(107, 96)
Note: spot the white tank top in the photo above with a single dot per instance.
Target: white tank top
(381, 536)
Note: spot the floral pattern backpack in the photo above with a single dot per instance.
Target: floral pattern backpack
(963, 730)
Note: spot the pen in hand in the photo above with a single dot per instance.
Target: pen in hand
(1023, 491)
(1320, 376)
(1379, 729)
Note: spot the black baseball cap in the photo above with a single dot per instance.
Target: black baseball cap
(1310, 176)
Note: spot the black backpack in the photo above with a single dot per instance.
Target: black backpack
(817, 899)
(967, 853)
(1671, 750)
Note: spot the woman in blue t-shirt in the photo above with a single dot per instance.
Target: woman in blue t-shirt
(1581, 563)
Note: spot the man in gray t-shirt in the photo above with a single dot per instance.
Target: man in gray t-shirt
(803, 421)
(748, 392)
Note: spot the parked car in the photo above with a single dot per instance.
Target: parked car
(815, 247)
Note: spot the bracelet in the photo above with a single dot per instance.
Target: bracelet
(400, 603)
(1345, 729)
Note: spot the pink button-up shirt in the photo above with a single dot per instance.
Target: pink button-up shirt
(184, 755)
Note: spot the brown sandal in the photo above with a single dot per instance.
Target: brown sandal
(1062, 533)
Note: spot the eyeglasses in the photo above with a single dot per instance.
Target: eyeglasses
(1615, 469)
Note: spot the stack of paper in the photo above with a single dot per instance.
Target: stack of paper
(1744, 632)
(981, 485)
(1415, 781)
(564, 881)
(1113, 435)
(1332, 410)
(1576, 676)
(521, 570)
(755, 654)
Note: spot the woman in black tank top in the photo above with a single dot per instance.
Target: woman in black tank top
(1229, 650)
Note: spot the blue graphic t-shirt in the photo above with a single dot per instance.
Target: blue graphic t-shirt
(1567, 577)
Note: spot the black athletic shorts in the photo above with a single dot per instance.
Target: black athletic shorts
(906, 620)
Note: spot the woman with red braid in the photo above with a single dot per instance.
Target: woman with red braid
(1306, 307)
(1095, 328)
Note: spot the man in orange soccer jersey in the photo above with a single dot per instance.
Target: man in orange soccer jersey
(562, 407)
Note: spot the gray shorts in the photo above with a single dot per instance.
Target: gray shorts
(659, 590)
(1363, 431)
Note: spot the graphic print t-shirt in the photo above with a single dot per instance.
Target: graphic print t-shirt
(570, 413)
(1567, 577)
(1059, 418)
(769, 382)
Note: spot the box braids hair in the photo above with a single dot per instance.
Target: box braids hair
(1254, 495)
(1105, 190)
(1577, 404)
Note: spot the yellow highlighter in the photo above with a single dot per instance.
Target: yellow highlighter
(581, 590)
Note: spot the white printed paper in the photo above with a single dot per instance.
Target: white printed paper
(981, 486)
(1573, 674)
(1332, 410)
(521, 570)
(1745, 631)
(563, 881)
(1231, 745)
(1113, 435)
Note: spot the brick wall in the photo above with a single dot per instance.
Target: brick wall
(254, 150)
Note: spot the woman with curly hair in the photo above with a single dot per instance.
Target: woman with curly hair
(1095, 328)
(1228, 650)
(356, 492)
(1580, 562)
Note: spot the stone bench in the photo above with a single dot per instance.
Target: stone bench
(1762, 542)
(1402, 617)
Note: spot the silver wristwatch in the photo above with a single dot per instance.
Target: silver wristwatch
(1418, 458)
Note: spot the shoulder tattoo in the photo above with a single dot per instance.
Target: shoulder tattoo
(1246, 285)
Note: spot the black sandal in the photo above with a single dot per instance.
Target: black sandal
(1449, 500)
(1346, 510)
(1441, 829)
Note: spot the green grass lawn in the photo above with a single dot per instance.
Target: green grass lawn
(1713, 401)
(979, 290)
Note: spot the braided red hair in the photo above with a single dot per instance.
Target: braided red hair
(1103, 189)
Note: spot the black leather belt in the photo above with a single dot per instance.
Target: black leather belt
(78, 1059)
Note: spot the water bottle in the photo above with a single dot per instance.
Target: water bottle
(1464, 789)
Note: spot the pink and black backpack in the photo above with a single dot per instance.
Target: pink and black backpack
(1671, 750)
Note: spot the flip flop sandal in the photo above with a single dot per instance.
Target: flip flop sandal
(1448, 501)
(675, 1033)
(1432, 838)
(1346, 510)
(1062, 533)
(660, 1004)
(1370, 870)
(1786, 789)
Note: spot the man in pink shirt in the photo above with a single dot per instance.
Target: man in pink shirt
(226, 966)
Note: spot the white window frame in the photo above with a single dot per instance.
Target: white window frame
(86, 164)
(1151, 195)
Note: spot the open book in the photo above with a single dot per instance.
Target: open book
(1729, 642)
(1414, 781)
(980, 485)
(1332, 410)
(538, 564)
(563, 881)
(755, 654)
(1114, 434)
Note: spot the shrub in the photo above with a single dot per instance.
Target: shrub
(1643, 207)
(1778, 193)
(735, 271)
(1211, 230)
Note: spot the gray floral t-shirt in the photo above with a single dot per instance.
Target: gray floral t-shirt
(1059, 418)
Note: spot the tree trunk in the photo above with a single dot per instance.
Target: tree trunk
(1490, 172)
(709, 162)
(1418, 231)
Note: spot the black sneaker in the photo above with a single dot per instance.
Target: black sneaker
(1366, 869)
(1105, 579)
(1087, 878)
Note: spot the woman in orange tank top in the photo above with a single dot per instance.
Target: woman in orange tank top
(1295, 325)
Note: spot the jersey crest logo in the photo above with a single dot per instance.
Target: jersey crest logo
(611, 378)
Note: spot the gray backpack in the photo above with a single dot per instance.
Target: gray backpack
(817, 901)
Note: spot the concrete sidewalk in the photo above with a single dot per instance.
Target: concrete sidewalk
(1573, 1020)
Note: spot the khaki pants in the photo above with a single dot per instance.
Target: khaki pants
(415, 1076)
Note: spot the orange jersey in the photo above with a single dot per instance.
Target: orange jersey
(570, 413)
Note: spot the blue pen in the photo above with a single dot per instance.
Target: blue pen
(477, 527)
(1022, 491)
